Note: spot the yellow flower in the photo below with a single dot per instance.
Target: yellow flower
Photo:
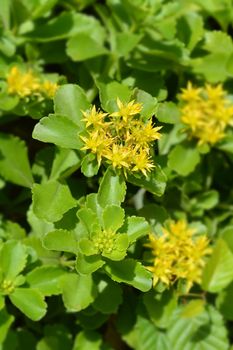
(118, 155)
(124, 142)
(142, 162)
(177, 254)
(97, 143)
(22, 84)
(49, 88)
(206, 112)
(94, 118)
(161, 270)
(29, 85)
(190, 93)
(127, 109)
(141, 135)
(179, 230)
(215, 92)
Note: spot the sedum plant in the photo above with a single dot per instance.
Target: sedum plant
(115, 175)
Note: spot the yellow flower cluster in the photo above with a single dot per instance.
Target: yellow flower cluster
(207, 112)
(178, 255)
(122, 138)
(28, 84)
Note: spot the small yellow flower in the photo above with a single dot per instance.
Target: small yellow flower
(161, 270)
(142, 162)
(118, 155)
(177, 254)
(49, 88)
(190, 93)
(215, 92)
(127, 109)
(122, 138)
(94, 118)
(29, 85)
(179, 230)
(97, 143)
(144, 134)
(22, 84)
(206, 112)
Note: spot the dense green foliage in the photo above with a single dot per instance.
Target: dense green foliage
(75, 262)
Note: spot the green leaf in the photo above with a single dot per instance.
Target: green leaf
(135, 227)
(91, 319)
(42, 7)
(69, 101)
(88, 264)
(92, 203)
(168, 112)
(218, 272)
(51, 200)
(7, 103)
(88, 218)
(155, 182)
(5, 13)
(56, 337)
(226, 144)
(43, 162)
(220, 11)
(113, 217)
(154, 214)
(130, 272)
(229, 66)
(205, 331)
(2, 301)
(45, 279)
(87, 340)
(45, 256)
(190, 29)
(66, 25)
(110, 91)
(86, 247)
(90, 165)
(145, 336)
(38, 227)
(126, 42)
(13, 259)
(61, 240)
(65, 162)
(30, 302)
(111, 180)
(109, 296)
(193, 308)
(208, 65)
(173, 136)
(12, 341)
(160, 306)
(14, 230)
(77, 291)
(82, 47)
(227, 236)
(212, 38)
(59, 130)
(207, 200)
(14, 166)
(149, 104)
(183, 159)
(224, 302)
(5, 322)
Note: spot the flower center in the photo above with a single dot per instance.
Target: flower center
(7, 287)
(104, 242)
